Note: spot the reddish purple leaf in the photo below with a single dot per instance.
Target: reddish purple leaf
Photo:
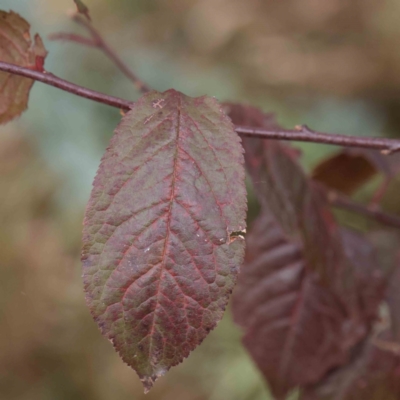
(293, 325)
(374, 371)
(393, 299)
(374, 374)
(299, 207)
(308, 292)
(370, 276)
(351, 168)
(345, 171)
(388, 165)
(387, 243)
(161, 246)
(297, 328)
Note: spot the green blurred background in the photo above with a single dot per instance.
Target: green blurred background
(333, 64)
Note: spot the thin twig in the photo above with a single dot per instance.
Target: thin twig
(305, 134)
(341, 201)
(71, 37)
(380, 191)
(98, 42)
(62, 84)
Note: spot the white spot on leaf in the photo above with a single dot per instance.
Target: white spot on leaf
(158, 103)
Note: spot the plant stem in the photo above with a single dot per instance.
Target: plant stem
(341, 201)
(98, 42)
(72, 37)
(302, 134)
(305, 134)
(62, 84)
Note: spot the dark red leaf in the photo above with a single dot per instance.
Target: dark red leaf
(293, 325)
(374, 374)
(393, 296)
(300, 209)
(386, 244)
(350, 169)
(308, 291)
(344, 172)
(393, 299)
(16, 47)
(297, 328)
(161, 245)
(370, 276)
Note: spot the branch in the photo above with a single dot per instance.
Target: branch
(305, 134)
(71, 37)
(340, 201)
(98, 42)
(62, 84)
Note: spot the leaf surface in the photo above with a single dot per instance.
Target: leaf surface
(345, 172)
(308, 291)
(290, 320)
(161, 250)
(374, 370)
(393, 299)
(297, 328)
(373, 374)
(16, 47)
(351, 168)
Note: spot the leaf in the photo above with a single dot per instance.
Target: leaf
(374, 374)
(370, 276)
(393, 300)
(297, 328)
(374, 371)
(387, 243)
(250, 116)
(293, 326)
(161, 248)
(344, 172)
(82, 8)
(308, 292)
(298, 206)
(349, 169)
(17, 48)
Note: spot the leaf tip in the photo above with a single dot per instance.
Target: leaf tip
(149, 381)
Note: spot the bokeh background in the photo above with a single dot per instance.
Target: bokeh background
(333, 64)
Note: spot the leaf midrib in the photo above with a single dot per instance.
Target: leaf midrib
(169, 213)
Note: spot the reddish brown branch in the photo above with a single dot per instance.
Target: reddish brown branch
(62, 84)
(305, 134)
(340, 201)
(98, 42)
(71, 37)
